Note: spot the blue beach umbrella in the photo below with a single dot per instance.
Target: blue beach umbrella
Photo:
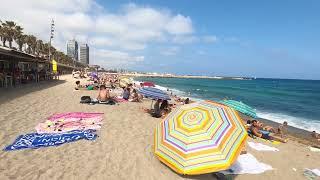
(154, 93)
(241, 107)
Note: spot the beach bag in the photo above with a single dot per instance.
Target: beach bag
(85, 99)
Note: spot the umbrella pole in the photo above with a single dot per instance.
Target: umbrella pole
(151, 104)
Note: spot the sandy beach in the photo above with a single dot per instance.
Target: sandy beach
(124, 148)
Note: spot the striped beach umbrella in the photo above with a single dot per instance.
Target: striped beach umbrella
(241, 107)
(200, 138)
(154, 93)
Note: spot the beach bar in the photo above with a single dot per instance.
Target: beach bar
(18, 68)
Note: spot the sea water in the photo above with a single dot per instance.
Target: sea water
(294, 101)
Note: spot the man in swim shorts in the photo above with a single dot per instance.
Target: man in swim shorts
(255, 130)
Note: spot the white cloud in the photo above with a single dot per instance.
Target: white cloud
(170, 51)
(210, 39)
(115, 59)
(131, 28)
(184, 39)
(180, 25)
(187, 39)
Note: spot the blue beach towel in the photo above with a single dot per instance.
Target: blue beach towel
(35, 140)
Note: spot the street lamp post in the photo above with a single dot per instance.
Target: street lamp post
(51, 37)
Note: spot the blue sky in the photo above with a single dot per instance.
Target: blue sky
(279, 39)
(255, 38)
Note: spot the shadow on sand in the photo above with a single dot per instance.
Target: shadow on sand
(211, 176)
(9, 94)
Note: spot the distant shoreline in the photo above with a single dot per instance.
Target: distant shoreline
(187, 76)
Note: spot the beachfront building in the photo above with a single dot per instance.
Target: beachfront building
(84, 54)
(72, 49)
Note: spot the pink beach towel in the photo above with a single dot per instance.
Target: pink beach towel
(70, 121)
(120, 100)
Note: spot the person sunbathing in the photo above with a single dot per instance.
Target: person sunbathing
(265, 128)
(135, 96)
(103, 94)
(126, 93)
(164, 108)
(255, 130)
(156, 109)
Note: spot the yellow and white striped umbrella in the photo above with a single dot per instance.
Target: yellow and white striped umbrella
(200, 138)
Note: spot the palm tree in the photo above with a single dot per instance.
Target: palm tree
(19, 37)
(28, 42)
(45, 49)
(33, 42)
(10, 31)
(3, 33)
(39, 46)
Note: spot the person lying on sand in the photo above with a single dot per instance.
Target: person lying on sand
(103, 94)
(255, 130)
(266, 128)
(282, 129)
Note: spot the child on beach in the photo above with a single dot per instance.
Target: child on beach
(78, 85)
(315, 135)
(282, 129)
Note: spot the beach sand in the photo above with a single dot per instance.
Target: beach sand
(124, 148)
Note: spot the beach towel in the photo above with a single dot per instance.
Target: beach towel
(247, 164)
(311, 174)
(120, 99)
(35, 140)
(261, 147)
(65, 122)
(74, 115)
(314, 149)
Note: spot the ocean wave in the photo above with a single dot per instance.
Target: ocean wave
(301, 123)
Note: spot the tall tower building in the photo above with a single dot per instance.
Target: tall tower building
(72, 49)
(84, 53)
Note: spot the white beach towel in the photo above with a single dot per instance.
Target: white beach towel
(261, 147)
(316, 172)
(311, 174)
(247, 164)
(313, 149)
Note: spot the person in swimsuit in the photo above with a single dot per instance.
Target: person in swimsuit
(255, 130)
(103, 94)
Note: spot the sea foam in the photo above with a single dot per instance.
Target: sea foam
(300, 123)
